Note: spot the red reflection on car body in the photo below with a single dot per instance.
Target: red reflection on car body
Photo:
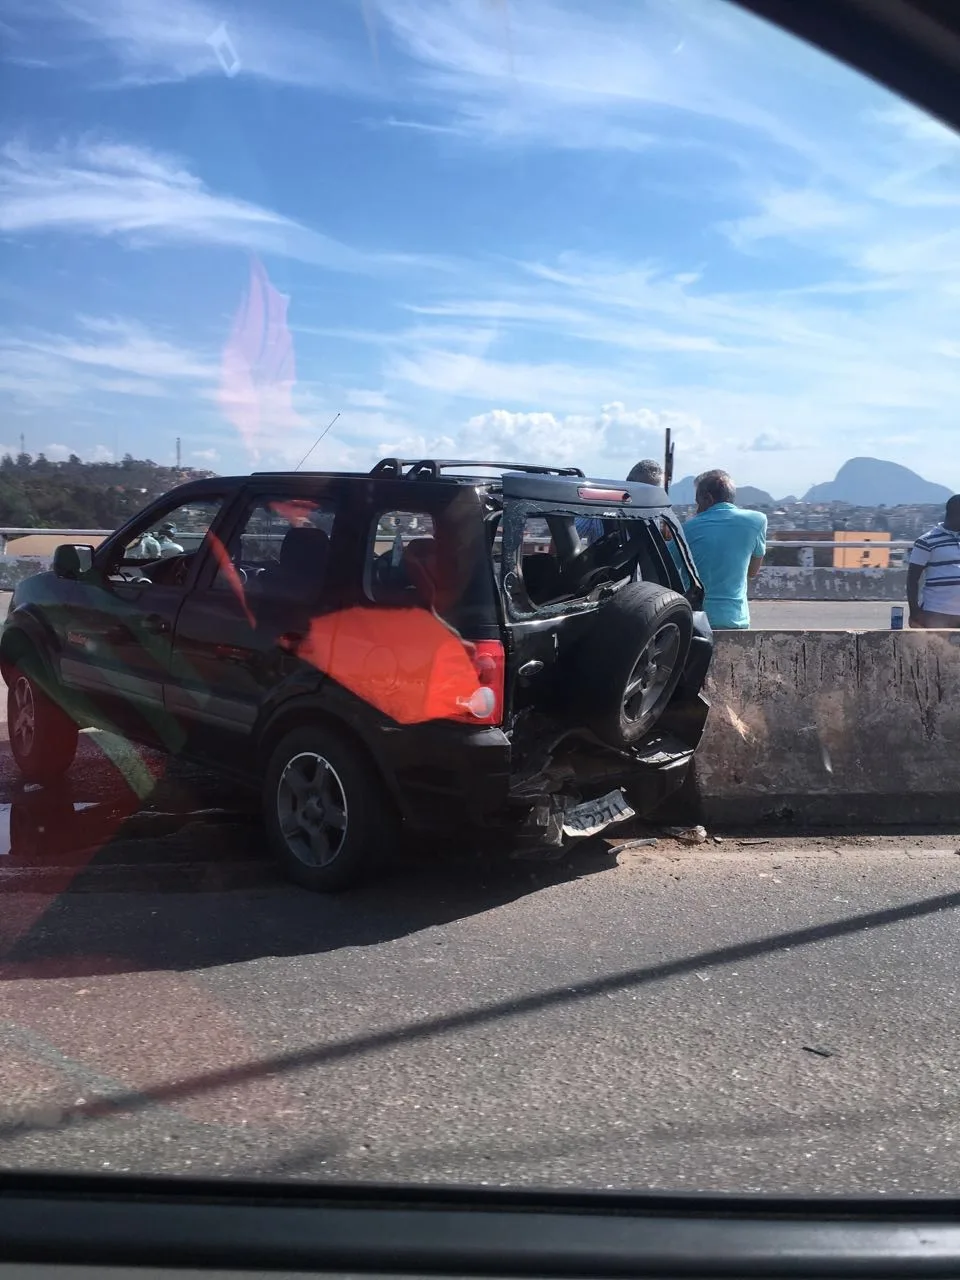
(405, 662)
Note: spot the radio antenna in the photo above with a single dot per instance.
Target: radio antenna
(317, 441)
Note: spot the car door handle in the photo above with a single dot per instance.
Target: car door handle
(154, 625)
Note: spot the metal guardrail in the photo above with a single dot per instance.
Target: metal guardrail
(844, 546)
(12, 533)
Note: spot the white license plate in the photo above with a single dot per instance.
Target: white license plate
(593, 815)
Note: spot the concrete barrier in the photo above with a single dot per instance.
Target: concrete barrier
(787, 582)
(832, 727)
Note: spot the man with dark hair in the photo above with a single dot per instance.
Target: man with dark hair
(645, 472)
(935, 559)
(728, 545)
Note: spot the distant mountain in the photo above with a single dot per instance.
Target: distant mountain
(748, 496)
(869, 482)
(683, 493)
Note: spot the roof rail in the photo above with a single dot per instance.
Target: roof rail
(430, 468)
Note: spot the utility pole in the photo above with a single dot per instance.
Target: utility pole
(23, 443)
(178, 453)
(667, 459)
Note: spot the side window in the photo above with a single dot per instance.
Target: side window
(175, 532)
(401, 564)
(677, 546)
(282, 544)
(541, 561)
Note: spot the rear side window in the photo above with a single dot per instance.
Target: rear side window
(566, 557)
(402, 560)
(282, 544)
(439, 560)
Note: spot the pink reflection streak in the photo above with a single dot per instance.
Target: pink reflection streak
(258, 369)
(231, 576)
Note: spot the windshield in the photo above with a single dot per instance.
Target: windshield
(480, 583)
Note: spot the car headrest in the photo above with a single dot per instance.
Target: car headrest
(303, 552)
(420, 563)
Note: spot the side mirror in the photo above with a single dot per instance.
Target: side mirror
(71, 561)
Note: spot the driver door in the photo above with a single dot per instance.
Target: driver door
(119, 627)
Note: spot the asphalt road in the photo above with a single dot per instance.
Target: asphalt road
(776, 1015)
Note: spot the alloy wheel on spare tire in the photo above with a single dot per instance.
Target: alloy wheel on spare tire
(632, 660)
(43, 737)
(328, 818)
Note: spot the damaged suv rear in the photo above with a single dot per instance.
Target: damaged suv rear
(426, 645)
(608, 650)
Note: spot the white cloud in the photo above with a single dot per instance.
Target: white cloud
(206, 455)
(916, 127)
(143, 43)
(127, 347)
(770, 442)
(362, 399)
(104, 357)
(145, 198)
(567, 77)
(57, 452)
(798, 213)
(100, 453)
(607, 441)
(461, 374)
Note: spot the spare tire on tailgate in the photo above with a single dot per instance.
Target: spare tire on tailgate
(632, 660)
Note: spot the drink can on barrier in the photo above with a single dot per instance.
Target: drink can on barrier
(896, 618)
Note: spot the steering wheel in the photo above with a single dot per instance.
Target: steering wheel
(582, 573)
(135, 577)
(173, 571)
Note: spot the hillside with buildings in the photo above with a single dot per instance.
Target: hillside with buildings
(38, 493)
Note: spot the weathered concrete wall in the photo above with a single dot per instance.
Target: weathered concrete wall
(832, 727)
(781, 582)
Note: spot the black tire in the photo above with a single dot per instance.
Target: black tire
(642, 623)
(43, 737)
(334, 778)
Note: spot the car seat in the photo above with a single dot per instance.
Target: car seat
(420, 568)
(302, 563)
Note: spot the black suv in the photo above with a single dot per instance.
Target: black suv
(522, 653)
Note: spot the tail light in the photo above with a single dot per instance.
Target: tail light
(484, 705)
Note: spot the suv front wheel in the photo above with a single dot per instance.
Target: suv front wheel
(327, 817)
(43, 738)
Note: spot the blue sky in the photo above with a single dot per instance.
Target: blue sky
(524, 229)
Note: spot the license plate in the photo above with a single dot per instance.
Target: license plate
(593, 815)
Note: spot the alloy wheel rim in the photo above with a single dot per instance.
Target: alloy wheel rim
(312, 809)
(651, 673)
(24, 727)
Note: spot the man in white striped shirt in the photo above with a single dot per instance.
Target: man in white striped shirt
(935, 559)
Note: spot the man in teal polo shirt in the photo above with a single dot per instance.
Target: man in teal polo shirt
(728, 545)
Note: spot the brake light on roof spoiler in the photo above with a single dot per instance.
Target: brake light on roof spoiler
(590, 493)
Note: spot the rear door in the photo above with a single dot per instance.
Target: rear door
(241, 629)
(558, 563)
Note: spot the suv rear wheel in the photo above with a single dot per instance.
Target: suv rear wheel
(327, 817)
(633, 660)
(43, 738)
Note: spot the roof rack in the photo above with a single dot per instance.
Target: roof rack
(430, 468)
